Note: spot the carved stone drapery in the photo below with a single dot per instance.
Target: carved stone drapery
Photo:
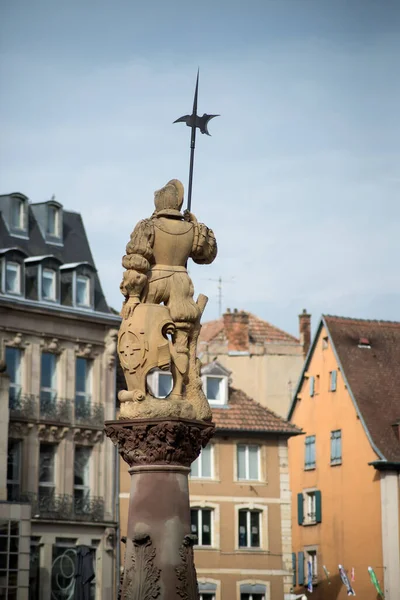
(87, 437)
(161, 442)
(141, 580)
(18, 430)
(187, 587)
(51, 433)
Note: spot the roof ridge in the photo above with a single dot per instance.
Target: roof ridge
(359, 320)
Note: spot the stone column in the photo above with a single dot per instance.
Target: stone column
(159, 546)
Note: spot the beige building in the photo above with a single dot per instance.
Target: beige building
(265, 361)
(239, 496)
(58, 340)
(345, 470)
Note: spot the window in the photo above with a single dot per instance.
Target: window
(309, 461)
(336, 447)
(312, 381)
(309, 507)
(207, 590)
(312, 565)
(13, 470)
(253, 591)
(325, 342)
(248, 462)
(81, 477)
(249, 528)
(202, 466)
(82, 291)
(83, 387)
(214, 389)
(164, 384)
(46, 470)
(48, 383)
(333, 381)
(48, 284)
(13, 278)
(13, 362)
(53, 220)
(18, 213)
(201, 525)
(9, 547)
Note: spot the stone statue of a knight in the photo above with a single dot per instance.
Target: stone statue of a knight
(161, 320)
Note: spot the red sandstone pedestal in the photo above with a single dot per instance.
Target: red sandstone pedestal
(159, 546)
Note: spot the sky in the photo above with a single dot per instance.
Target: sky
(300, 180)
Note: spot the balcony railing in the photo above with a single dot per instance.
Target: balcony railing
(22, 406)
(88, 413)
(62, 507)
(55, 409)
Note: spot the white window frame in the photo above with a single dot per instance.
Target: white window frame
(17, 384)
(51, 209)
(86, 487)
(17, 269)
(310, 502)
(311, 552)
(53, 273)
(264, 535)
(21, 214)
(87, 303)
(53, 391)
(48, 484)
(223, 389)
(200, 510)
(247, 463)
(250, 512)
(199, 463)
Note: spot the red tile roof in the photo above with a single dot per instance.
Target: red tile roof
(260, 332)
(244, 414)
(373, 374)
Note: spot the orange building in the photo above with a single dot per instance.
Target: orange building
(344, 471)
(239, 496)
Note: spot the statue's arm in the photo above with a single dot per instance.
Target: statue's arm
(136, 261)
(204, 249)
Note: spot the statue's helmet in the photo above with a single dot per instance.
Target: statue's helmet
(170, 197)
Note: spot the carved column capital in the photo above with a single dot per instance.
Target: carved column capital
(159, 441)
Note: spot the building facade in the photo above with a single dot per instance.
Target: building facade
(345, 470)
(239, 496)
(58, 351)
(265, 361)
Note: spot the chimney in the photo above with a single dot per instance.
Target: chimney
(236, 325)
(305, 331)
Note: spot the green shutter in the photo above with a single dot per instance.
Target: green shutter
(300, 509)
(300, 567)
(318, 507)
(294, 582)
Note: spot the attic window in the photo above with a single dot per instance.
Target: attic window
(13, 278)
(364, 342)
(82, 290)
(214, 389)
(53, 220)
(17, 213)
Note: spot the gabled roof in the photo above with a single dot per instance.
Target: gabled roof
(368, 355)
(260, 332)
(246, 415)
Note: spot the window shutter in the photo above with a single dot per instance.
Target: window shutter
(300, 561)
(318, 507)
(333, 381)
(294, 582)
(300, 509)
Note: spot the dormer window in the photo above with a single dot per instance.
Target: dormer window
(82, 290)
(214, 388)
(53, 220)
(13, 278)
(49, 285)
(215, 383)
(18, 214)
